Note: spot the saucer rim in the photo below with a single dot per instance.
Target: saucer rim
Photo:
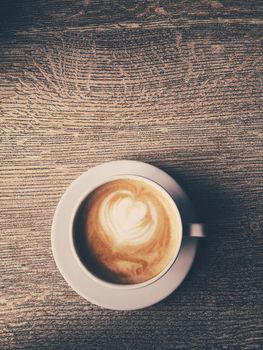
(126, 299)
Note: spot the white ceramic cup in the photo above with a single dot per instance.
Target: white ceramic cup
(192, 230)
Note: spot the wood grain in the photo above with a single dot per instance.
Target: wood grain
(176, 84)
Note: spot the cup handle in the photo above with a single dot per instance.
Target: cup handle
(195, 230)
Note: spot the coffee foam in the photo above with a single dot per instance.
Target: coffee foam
(127, 219)
(131, 230)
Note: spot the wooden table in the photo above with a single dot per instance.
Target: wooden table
(177, 84)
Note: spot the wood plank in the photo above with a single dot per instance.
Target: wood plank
(175, 84)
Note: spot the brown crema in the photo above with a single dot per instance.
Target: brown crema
(130, 231)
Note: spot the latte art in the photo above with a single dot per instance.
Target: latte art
(126, 219)
(130, 231)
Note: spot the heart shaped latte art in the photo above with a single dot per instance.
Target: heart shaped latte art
(130, 231)
(126, 219)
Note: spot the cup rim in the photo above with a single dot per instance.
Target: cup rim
(71, 232)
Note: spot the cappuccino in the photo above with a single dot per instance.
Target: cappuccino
(126, 231)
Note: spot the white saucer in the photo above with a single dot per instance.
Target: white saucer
(73, 272)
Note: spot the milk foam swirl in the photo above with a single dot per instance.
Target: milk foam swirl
(130, 230)
(127, 220)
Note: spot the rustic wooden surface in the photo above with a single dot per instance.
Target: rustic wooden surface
(174, 83)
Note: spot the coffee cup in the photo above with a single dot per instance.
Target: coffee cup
(127, 231)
